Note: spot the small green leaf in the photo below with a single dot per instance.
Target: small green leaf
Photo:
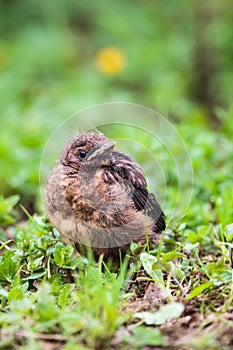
(166, 313)
(172, 255)
(64, 296)
(229, 232)
(15, 294)
(8, 267)
(143, 336)
(198, 290)
(3, 292)
(37, 274)
(63, 256)
(7, 204)
(46, 307)
(150, 263)
(6, 207)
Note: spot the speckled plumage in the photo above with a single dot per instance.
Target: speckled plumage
(97, 196)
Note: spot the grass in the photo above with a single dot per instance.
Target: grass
(50, 296)
(45, 290)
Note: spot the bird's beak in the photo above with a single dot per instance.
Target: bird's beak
(100, 151)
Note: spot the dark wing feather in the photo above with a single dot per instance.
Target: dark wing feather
(146, 201)
(124, 167)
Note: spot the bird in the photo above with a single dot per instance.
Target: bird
(97, 196)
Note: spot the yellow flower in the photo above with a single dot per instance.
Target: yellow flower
(110, 60)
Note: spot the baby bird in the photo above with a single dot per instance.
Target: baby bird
(97, 196)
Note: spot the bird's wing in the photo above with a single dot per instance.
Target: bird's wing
(143, 200)
(123, 167)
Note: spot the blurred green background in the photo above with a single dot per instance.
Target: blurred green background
(57, 57)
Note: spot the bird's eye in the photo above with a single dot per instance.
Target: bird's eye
(82, 154)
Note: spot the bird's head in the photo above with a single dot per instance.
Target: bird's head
(87, 150)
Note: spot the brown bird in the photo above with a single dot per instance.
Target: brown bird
(97, 196)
